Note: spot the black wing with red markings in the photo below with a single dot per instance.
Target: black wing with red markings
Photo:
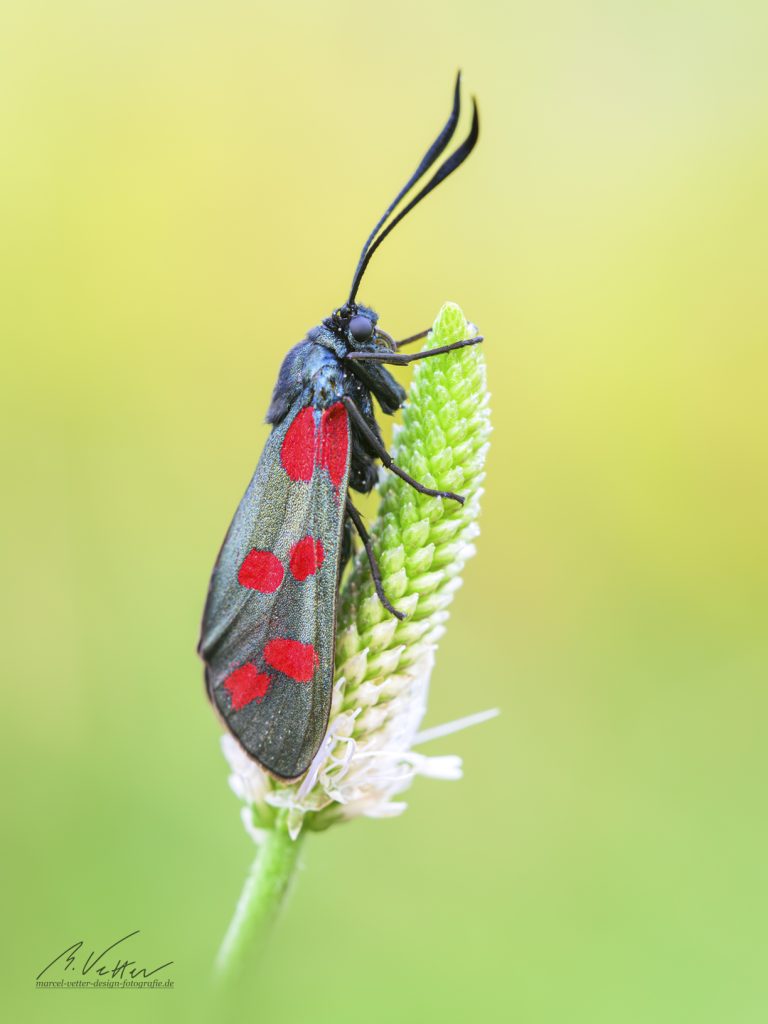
(269, 622)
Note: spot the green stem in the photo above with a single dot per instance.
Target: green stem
(263, 892)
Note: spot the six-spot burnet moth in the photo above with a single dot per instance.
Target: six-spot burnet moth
(269, 622)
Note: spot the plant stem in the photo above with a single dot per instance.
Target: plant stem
(263, 893)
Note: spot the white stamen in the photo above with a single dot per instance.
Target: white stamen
(326, 748)
(457, 725)
(256, 834)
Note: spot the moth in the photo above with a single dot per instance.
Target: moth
(268, 631)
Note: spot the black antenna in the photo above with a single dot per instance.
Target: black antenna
(446, 168)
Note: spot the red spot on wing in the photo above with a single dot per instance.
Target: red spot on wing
(292, 658)
(247, 684)
(261, 571)
(297, 452)
(334, 442)
(306, 558)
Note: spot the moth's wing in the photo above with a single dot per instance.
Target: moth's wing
(269, 622)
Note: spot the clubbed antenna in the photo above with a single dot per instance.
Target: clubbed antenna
(454, 161)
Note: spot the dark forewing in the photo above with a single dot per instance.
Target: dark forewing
(269, 621)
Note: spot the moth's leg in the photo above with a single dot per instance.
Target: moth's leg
(396, 359)
(413, 337)
(377, 446)
(346, 545)
(376, 380)
(399, 344)
(354, 515)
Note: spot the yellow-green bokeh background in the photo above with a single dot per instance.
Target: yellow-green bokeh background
(184, 190)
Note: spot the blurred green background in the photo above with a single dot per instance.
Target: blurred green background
(185, 188)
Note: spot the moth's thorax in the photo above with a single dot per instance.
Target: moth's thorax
(315, 371)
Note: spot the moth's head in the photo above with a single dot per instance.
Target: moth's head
(358, 326)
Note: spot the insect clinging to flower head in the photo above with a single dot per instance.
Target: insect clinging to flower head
(269, 621)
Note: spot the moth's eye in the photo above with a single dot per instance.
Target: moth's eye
(361, 328)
